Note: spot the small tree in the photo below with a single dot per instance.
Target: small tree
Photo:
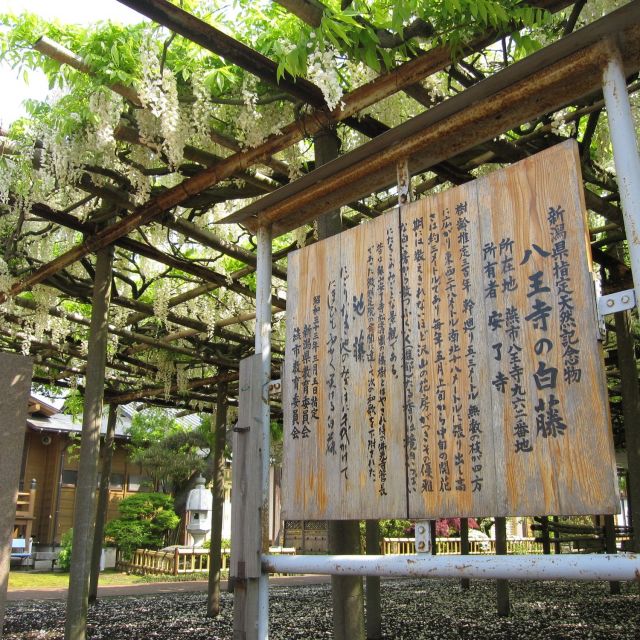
(170, 453)
(145, 521)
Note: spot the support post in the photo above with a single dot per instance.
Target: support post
(215, 553)
(465, 584)
(251, 468)
(374, 613)
(103, 501)
(264, 270)
(544, 534)
(625, 155)
(627, 162)
(246, 533)
(556, 535)
(631, 413)
(15, 384)
(425, 541)
(343, 535)
(611, 548)
(502, 586)
(85, 502)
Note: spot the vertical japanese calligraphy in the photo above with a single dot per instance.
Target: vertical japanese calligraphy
(553, 447)
(436, 365)
(450, 408)
(346, 378)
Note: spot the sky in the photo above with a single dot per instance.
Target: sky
(14, 90)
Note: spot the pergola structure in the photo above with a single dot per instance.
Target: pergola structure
(486, 120)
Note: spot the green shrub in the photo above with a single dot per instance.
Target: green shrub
(145, 521)
(225, 543)
(64, 557)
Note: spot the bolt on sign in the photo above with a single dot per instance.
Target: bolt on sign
(442, 360)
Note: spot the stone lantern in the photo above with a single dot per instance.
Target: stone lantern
(199, 505)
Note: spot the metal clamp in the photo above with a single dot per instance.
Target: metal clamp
(613, 303)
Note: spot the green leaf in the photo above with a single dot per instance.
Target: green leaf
(372, 59)
(115, 55)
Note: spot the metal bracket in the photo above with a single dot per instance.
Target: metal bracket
(423, 536)
(241, 429)
(613, 303)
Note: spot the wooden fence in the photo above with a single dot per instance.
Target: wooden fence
(191, 560)
(451, 546)
(174, 562)
(178, 561)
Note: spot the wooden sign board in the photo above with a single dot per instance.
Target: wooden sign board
(443, 360)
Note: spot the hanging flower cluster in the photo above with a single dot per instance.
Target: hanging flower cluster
(159, 95)
(162, 295)
(201, 108)
(559, 124)
(182, 378)
(105, 107)
(322, 70)
(165, 372)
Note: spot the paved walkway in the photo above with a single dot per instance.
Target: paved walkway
(152, 588)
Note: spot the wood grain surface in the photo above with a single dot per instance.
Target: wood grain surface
(442, 360)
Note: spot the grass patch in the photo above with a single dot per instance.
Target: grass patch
(48, 580)
(19, 580)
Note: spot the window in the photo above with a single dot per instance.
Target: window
(139, 483)
(69, 477)
(116, 482)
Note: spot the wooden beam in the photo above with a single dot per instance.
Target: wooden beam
(61, 54)
(362, 97)
(125, 398)
(214, 40)
(309, 11)
(64, 219)
(479, 114)
(125, 334)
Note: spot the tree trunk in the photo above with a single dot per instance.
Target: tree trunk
(103, 502)
(215, 552)
(344, 535)
(85, 502)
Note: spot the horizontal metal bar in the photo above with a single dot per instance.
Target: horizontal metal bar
(623, 566)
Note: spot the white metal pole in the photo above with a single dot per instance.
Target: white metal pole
(263, 346)
(625, 155)
(623, 566)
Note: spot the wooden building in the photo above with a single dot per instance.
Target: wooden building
(50, 457)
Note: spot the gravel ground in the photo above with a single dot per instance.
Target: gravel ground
(412, 609)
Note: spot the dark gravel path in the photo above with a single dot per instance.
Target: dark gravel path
(412, 610)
